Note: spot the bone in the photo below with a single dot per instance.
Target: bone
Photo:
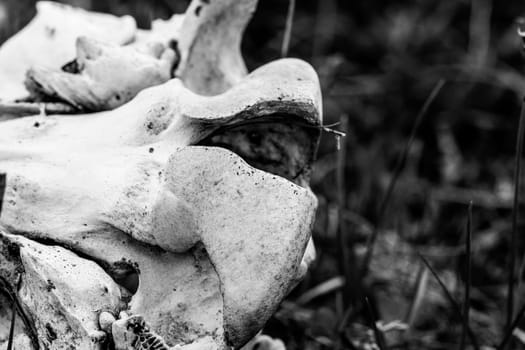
(208, 36)
(48, 41)
(61, 292)
(202, 244)
(175, 210)
(129, 199)
(174, 115)
(108, 75)
(210, 44)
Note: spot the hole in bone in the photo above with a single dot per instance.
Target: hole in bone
(127, 276)
(278, 144)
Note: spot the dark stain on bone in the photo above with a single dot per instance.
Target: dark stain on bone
(2, 190)
(50, 286)
(50, 31)
(276, 145)
(51, 335)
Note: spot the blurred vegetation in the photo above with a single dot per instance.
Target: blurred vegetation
(378, 62)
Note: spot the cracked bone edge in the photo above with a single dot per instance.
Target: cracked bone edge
(253, 225)
(62, 292)
(48, 41)
(109, 75)
(210, 44)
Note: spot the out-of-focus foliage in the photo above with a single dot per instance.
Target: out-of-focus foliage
(378, 62)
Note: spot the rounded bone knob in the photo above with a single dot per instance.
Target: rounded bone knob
(105, 320)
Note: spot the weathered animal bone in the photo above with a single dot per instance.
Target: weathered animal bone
(104, 76)
(48, 41)
(208, 37)
(210, 44)
(171, 226)
(65, 186)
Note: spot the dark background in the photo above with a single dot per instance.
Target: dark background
(378, 62)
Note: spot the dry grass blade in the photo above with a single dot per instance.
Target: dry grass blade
(515, 208)
(346, 257)
(378, 335)
(397, 171)
(288, 28)
(324, 288)
(2, 190)
(511, 329)
(12, 329)
(13, 318)
(468, 280)
(451, 300)
(418, 295)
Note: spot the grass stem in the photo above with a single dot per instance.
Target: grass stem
(515, 210)
(397, 172)
(468, 280)
(452, 301)
(288, 29)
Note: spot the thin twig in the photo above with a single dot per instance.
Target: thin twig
(2, 189)
(515, 212)
(293, 121)
(451, 300)
(21, 109)
(13, 318)
(397, 171)
(346, 257)
(479, 32)
(288, 28)
(468, 280)
(12, 329)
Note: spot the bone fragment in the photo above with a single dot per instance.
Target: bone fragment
(48, 41)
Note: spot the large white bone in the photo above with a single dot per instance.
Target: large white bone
(251, 223)
(216, 243)
(92, 182)
(174, 116)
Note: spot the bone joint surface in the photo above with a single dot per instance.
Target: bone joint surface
(177, 216)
